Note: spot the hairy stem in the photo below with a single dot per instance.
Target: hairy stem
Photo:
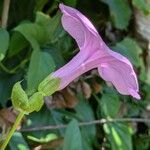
(11, 132)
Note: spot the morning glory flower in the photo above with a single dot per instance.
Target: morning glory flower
(94, 53)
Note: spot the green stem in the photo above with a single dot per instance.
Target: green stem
(11, 132)
(5, 69)
(13, 71)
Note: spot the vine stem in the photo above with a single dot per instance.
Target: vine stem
(101, 121)
(13, 70)
(11, 132)
(5, 13)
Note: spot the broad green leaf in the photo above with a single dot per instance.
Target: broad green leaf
(42, 31)
(54, 28)
(40, 4)
(5, 89)
(119, 136)
(17, 44)
(35, 33)
(32, 32)
(71, 3)
(133, 109)
(4, 43)
(45, 117)
(18, 142)
(142, 5)
(120, 12)
(130, 48)
(142, 142)
(85, 113)
(6, 84)
(42, 19)
(51, 26)
(65, 43)
(57, 117)
(73, 140)
(56, 54)
(109, 104)
(41, 64)
(25, 11)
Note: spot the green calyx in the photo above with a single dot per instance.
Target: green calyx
(24, 104)
(49, 85)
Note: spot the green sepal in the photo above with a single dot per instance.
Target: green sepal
(19, 97)
(49, 85)
(21, 102)
(36, 102)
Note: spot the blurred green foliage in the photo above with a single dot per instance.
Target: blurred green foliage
(35, 44)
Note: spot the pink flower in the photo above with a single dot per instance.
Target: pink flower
(94, 53)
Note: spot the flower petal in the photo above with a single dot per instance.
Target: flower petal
(70, 71)
(76, 67)
(79, 16)
(94, 52)
(80, 28)
(74, 28)
(120, 73)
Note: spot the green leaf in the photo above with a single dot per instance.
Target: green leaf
(41, 31)
(41, 64)
(85, 114)
(32, 32)
(40, 5)
(119, 136)
(36, 30)
(6, 84)
(17, 43)
(109, 104)
(56, 54)
(17, 142)
(25, 11)
(5, 89)
(71, 3)
(44, 117)
(4, 43)
(120, 12)
(42, 19)
(142, 5)
(73, 140)
(35, 33)
(129, 48)
(142, 142)
(54, 28)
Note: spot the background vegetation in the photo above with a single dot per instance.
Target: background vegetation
(34, 44)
